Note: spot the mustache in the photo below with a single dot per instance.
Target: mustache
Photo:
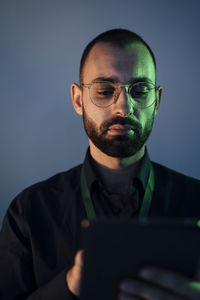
(119, 120)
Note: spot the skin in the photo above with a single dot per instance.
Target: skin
(73, 276)
(124, 65)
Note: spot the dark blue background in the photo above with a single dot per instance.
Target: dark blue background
(40, 48)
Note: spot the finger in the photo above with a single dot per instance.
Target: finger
(79, 258)
(169, 280)
(145, 291)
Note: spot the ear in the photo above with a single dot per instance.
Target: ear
(76, 95)
(158, 98)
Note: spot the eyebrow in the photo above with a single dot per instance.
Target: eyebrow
(114, 79)
(110, 79)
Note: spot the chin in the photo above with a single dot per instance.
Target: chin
(120, 150)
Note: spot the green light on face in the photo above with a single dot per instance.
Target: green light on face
(198, 223)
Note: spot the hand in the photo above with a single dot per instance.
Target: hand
(73, 276)
(159, 284)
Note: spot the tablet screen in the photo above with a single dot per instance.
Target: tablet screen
(116, 249)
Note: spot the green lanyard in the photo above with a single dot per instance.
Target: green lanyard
(146, 203)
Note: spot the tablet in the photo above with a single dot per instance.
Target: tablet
(115, 250)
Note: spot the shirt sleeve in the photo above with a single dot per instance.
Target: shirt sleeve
(17, 280)
(55, 289)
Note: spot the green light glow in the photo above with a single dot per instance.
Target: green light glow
(198, 223)
(127, 161)
(195, 285)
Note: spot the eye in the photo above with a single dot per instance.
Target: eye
(140, 90)
(103, 90)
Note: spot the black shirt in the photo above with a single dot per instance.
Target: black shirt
(41, 231)
(108, 202)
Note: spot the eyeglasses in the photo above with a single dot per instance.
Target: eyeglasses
(105, 93)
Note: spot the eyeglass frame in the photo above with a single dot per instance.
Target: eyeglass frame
(88, 85)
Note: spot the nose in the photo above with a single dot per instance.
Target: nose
(123, 105)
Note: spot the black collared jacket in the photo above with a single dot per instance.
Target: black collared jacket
(41, 231)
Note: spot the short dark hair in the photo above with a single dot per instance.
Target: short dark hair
(117, 37)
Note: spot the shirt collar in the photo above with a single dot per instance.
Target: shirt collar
(92, 174)
(89, 168)
(143, 173)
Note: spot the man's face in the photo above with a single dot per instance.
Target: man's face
(121, 129)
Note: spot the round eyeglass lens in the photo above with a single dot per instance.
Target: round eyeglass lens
(143, 93)
(102, 93)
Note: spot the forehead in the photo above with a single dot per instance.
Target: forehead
(129, 63)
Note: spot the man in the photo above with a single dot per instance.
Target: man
(118, 99)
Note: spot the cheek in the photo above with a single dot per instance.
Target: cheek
(146, 116)
(96, 114)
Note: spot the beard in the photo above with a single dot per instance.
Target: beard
(118, 145)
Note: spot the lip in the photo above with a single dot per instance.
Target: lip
(120, 127)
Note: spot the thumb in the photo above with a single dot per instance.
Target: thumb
(79, 258)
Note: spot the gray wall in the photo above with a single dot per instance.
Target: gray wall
(41, 44)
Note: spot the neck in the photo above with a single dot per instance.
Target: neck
(115, 163)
